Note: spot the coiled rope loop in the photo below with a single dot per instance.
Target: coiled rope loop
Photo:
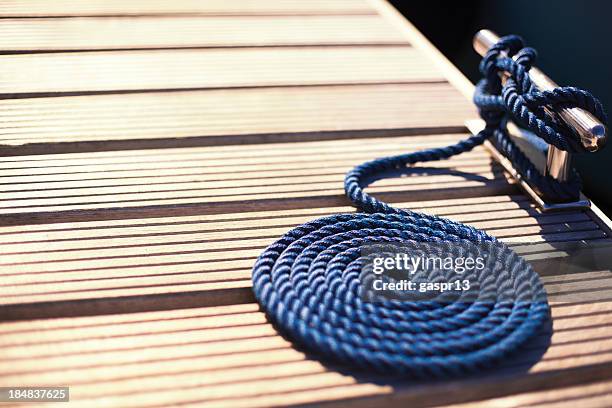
(308, 282)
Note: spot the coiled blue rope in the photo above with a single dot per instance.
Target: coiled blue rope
(308, 283)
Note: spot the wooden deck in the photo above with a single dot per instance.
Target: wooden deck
(151, 149)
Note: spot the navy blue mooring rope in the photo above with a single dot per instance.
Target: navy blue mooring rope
(307, 282)
(518, 100)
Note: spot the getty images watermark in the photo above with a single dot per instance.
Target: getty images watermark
(411, 265)
(460, 271)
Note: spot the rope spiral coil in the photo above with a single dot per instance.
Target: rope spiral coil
(308, 284)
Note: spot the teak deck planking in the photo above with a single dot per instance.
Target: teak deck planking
(208, 176)
(96, 260)
(142, 174)
(107, 33)
(71, 8)
(154, 119)
(230, 355)
(28, 75)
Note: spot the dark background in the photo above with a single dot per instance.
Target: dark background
(573, 42)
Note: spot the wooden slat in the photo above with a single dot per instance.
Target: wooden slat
(111, 122)
(185, 32)
(43, 8)
(102, 262)
(227, 346)
(114, 71)
(594, 395)
(241, 174)
(230, 356)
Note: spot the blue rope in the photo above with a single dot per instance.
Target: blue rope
(518, 100)
(308, 281)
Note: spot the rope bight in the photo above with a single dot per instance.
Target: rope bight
(307, 282)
